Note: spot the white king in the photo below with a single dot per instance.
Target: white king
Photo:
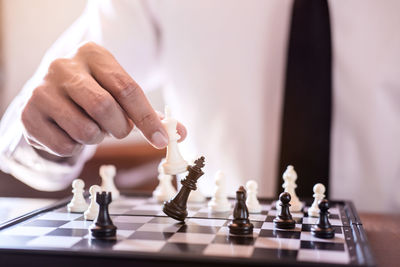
(174, 163)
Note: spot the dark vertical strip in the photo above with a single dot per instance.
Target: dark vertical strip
(306, 124)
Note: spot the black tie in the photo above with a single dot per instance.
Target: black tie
(306, 124)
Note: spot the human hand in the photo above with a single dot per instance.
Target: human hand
(85, 97)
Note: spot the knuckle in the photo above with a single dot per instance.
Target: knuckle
(89, 48)
(89, 133)
(102, 105)
(58, 64)
(126, 88)
(77, 80)
(37, 95)
(146, 119)
(123, 132)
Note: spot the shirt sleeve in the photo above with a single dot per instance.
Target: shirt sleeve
(122, 27)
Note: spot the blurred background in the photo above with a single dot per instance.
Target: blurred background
(39, 23)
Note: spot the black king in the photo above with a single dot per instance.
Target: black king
(176, 207)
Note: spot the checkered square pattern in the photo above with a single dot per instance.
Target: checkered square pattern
(143, 227)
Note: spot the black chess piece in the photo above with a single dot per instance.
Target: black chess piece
(284, 220)
(240, 225)
(323, 228)
(103, 226)
(176, 207)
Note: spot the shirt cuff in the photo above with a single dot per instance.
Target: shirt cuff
(26, 165)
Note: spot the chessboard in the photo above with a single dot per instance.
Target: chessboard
(147, 237)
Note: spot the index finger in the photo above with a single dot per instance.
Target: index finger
(111, 76)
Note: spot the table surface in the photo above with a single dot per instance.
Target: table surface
(383, 233)
(383, 230)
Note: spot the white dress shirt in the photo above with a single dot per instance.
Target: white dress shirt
(222, 64)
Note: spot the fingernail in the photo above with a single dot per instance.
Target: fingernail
(159, 140)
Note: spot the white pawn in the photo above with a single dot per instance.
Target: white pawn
(319, 191)
(91, 213)
(165, 190)
(78, 202)
(219, 202)
(251, 201)
(290, 177)
(174, 163)
(107, 174)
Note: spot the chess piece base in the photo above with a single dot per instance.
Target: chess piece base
(326, 233)
(161, 197)
(175, 168)
(103, 231)
(174, 211)
(90, 215)
(77, 207)
(219, 207)
(284, 224)
(313, 213)
(256, 209)
(241, 228)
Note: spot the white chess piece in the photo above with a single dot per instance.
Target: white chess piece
(290, 177)
(93, 209)
(78, 202)
(319, 194)
(251, 201)
(107, 174)
(165, 190)
(174, 163)
(196, 196)
(219, 201)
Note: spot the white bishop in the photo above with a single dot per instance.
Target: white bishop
(290, 177)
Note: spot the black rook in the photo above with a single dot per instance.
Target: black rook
(103, 226)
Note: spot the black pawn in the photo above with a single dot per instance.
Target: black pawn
(103, 226)
(323, 228)
(240, 225)
(176, 207)
(284, 220)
